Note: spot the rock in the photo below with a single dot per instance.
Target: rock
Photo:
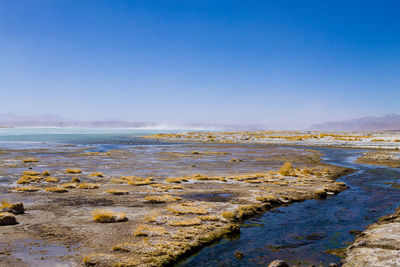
(238, 254)
(7, 218)
(332, 264)
(278, 263)
(16, 208)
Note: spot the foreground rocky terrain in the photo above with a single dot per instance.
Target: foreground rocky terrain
(145, 205)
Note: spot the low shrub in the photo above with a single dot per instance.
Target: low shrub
(73, 171)
(88, 186)
(117, 192)
(14, 208)
(27, 189)
(51, 179)
(286, 169)
(162, 199)
(56, 189)
(108, 216)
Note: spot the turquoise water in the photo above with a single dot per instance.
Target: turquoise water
(15, 138)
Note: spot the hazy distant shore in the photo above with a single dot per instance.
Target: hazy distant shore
(369, 140)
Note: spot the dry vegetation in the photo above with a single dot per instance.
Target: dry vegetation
(345, 139)
(88, 186)
(30, 160)
(14, 208)
(27, 189)
(162, 199)
(117, 192)
(108, 216)
(56, 189)
(73, 171)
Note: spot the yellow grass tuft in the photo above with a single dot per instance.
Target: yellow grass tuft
(14, 208)
(286, 169)
(108, 216)
(230, 215)
(132, 180)
(51, 179)
(162, 199)
(155, 218)
(46, 173)
(146, 230)
(30, 160)
(73, 171)
(209, 218)
(30, 173)
(176, 180)
(117, 192)
(202, 177)
(88, 186)
(27, 189)
(69, 185)
(271, 198)
(307, 171)
(75, 180)
(141, 182)
(26, 179)
(186, 208)
(188, 222)
(56, 189)
(5, 204)
(248, 210)
(167, 187)
(97, 174)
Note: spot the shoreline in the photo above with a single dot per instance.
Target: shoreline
(360, 140)
(384, 158)
(377, 245)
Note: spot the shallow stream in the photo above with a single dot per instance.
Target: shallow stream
(301, 233)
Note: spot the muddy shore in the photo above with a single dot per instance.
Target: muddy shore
(177, 199)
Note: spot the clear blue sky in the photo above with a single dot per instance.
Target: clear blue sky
(279, 62)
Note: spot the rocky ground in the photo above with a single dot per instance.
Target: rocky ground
(176, 199)
(378, 245)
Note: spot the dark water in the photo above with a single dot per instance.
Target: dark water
(301, 233)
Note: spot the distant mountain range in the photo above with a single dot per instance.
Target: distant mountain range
(389, 122)
(13, 120)
(385, 123)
